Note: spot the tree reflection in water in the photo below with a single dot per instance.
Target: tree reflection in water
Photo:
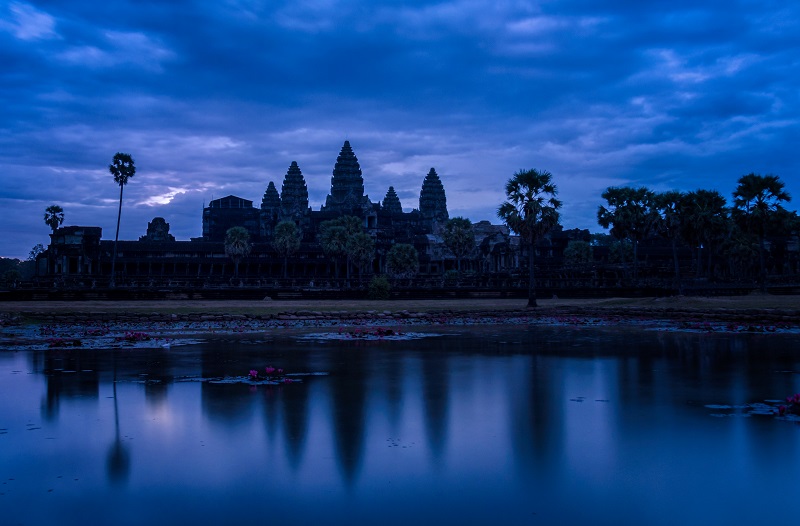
(467, 427)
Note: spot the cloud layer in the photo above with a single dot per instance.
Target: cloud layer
(217, 98)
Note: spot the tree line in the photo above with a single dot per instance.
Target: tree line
(701, 220)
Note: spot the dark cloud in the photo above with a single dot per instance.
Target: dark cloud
(214, 98)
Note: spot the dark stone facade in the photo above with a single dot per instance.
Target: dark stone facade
(157, 231)
(432, 200)
(347, 185)
(294, 195)
(227, 212)
(387, 222)
(391, 203)
(158, 255)
(270, 210)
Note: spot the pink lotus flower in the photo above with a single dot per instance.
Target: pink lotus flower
(781, 410)
(280, 371)
(287, 380)
(269, 369)
(253, 374)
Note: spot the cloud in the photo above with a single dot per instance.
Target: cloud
(220, 97)
(28, 23)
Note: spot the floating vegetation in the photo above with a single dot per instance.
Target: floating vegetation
(705, 326)
(788, 410)
(134, 336)
(55, 343)
(366, 334)
(251, 379)
(363, 327)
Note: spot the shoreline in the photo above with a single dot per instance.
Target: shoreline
(754, 309)
(107, 325)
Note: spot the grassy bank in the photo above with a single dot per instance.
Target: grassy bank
(752, 303)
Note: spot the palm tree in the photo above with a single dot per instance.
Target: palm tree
(531, 211)
(402, 260)
(286, 241)
(122, 168)
(459, 238)
(361, 250)
(704, 222)
(756, 200)
(630, 214)
(54, 217)
(334, 235)
(237, 246)
(668, 205)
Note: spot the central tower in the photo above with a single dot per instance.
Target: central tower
(347, 184)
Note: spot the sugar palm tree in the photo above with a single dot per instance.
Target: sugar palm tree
(54, 217)
(756, 200)
(286, 241)
(531, 211)
(459, 238)
(237, 246)
(361, 251)
(334, 235)
(122, 168)
(668, 206)
(704, 222)
(631, 214)
(402, 261)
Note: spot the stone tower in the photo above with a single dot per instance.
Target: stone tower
(432, 201)
(294, 195)
(271, 200)
(391, 203)
(270, 210)
(157, 231)
(347, 184)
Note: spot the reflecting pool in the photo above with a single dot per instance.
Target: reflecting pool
(511, 425)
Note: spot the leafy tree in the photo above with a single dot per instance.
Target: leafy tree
(531, 211)
(784, 225)
(12, 277)
(122, 168)
(361, 251)
(37, 249)
(578, 253)
(7, 264)
(334, 236)
(237, 246)
(630, 213)
(379, 288)
(286, 241)
(704, 222)
(741, 251)
(756, 200)
(402, 261)
(333, 240)
(10, 272)
(459, 238)
(54, 217)
(618, 250)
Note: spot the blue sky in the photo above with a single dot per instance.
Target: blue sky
(218, 98)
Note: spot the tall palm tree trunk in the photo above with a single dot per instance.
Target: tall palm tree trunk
(762, 273)
(678, 283)
(531, 282)
(112, 283)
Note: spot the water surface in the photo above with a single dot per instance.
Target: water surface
(515, 425)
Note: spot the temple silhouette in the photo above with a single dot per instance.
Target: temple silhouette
(79, 255)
